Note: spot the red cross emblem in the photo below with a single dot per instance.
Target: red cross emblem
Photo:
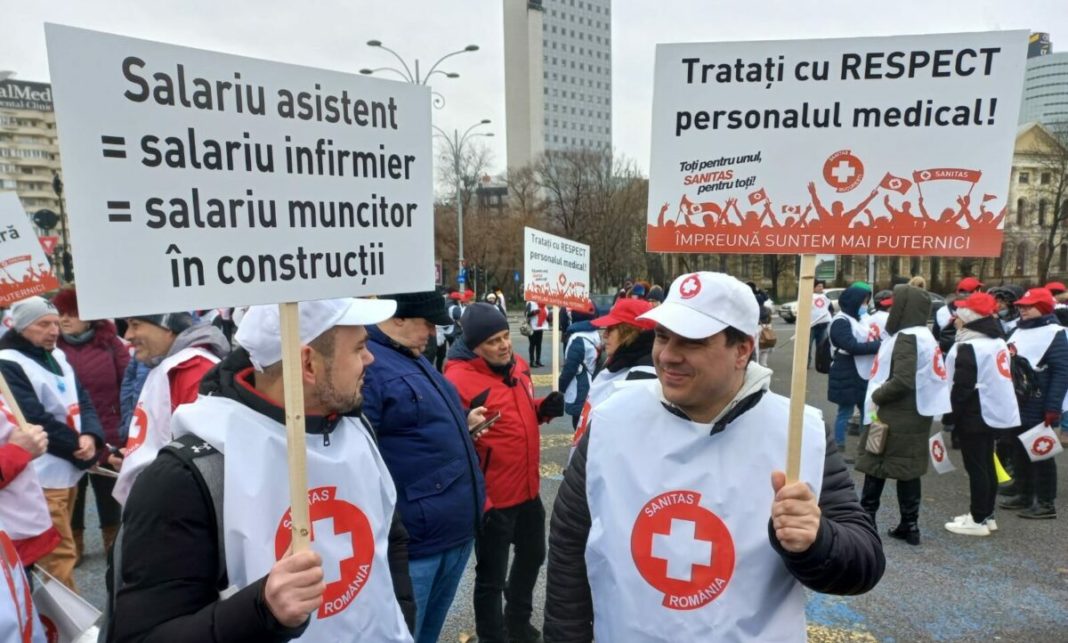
(690, 286)
(843, 171)
(938, 364)
(23, 605)
(873, 332)
(1042, 445)
(74, 418)
(682, 549)
(138, 429)
(562, 279)
(938, 452)
(348, 548)
(1003, 364)
(874, 366)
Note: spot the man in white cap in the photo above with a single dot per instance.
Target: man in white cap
(46, 389)
(184, 540)
(675, 519)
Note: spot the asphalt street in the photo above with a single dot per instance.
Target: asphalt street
(1011, 586)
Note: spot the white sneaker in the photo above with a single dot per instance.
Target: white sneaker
(965, 526)
(991, 524)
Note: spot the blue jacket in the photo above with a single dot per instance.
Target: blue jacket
(422, 434)
(573, 367)
(1052, 373)
(844, 385)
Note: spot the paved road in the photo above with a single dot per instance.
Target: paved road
(1012, 586)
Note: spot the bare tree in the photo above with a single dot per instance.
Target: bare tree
(1053, 162)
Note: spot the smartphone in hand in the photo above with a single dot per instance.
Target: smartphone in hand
(485, 424)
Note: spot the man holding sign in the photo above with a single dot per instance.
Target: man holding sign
(675, 514)
(356, 578)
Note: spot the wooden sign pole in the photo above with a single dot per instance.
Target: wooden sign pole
(556, 347)
(799, 379)
(296, 447)
(12, 403)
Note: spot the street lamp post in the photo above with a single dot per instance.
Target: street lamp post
(411, 74)
(456, 146)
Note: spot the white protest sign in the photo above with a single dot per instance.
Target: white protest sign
(24, 269)
(557, 270)
(1040, 442)
(197, 179)
(895, 145)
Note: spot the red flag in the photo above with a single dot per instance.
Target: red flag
(896, 183)
(947, 174)
(989, 197)
(757, 197)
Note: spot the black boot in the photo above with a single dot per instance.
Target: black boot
(525, 633)
(907, 531)
(1015, 502)
(1039, 511)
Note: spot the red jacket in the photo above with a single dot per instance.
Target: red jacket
(509, 453)
(13, 460)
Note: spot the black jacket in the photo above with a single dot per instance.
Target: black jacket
(62, 442)
(847, 557)
(170, 550)
(1052, 372)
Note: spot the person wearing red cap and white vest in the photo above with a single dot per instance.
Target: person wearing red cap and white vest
(179, 352)
(984, 403)
(822, 311)
(47, 390)
(907, 389)
(944, 329)
(675, 522)
(353, 584)
(1041, 341)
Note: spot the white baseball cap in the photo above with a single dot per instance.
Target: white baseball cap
(260, 332)
(701, 304)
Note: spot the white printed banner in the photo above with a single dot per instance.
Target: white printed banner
(24, 269)
(557, 270)
(197, 179)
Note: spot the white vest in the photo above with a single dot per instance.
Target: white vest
(59, 397)
(942, 317)
(351, 498)
(863, 333)
(531, 311)
(603, 387)
(997, 397)
(150, 426)
(932, 382)
(23, 509)
(19, 622)
(589, 340)
(821, 309)
(678, 546)
(1032, 343)
(878, 321)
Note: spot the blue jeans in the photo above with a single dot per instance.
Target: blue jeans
(841, 421)
(434, 582)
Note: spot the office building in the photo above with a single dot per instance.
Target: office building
(1045, 91)
(558, 76)
(29, 149)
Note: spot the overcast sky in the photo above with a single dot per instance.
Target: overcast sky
(332, 34)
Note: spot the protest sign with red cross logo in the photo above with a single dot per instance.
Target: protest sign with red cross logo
(683, 550)
(690, 287)
(843, 171)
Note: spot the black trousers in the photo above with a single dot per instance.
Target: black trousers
(1037, 481)
(534, 350)
(908, 497)
(108, 509)
(977, 449)
(521, 527)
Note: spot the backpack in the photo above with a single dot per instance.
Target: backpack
(207, 465)
(1024, 379)
(823, 357)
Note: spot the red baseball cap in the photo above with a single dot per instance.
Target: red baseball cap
(626, 311)
(980, 302)
(969, 284)
(1040, 298)
(1056, 287)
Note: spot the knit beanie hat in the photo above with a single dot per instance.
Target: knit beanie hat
(66, 302)
(174, 322)
(480, 322)
(30, 310)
